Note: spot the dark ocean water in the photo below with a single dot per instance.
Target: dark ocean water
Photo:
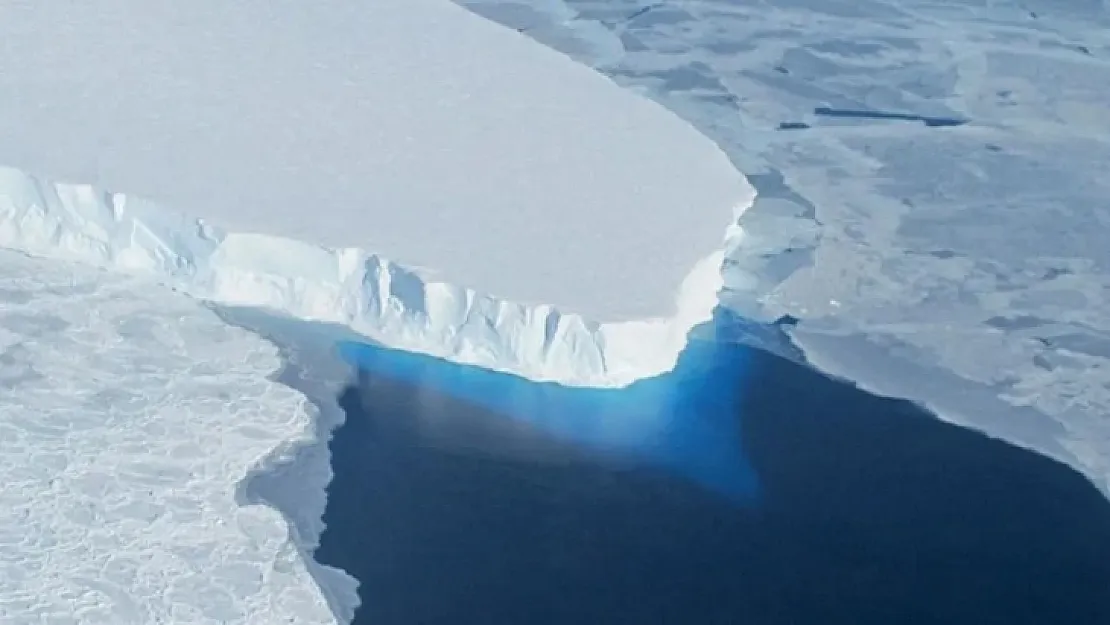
(742, 489)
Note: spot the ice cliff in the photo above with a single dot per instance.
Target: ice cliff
(369, 293)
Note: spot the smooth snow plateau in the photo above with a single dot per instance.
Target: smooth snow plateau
(431, 179)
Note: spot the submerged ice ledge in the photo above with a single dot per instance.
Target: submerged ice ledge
(366, 292)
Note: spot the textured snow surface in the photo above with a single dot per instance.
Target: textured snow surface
(552, 199)
(964, 266)
(129, 414)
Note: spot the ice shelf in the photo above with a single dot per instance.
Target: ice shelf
(434, 180)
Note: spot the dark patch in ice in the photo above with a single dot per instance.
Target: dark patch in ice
(639, 12)
(786, 321)
(1056, 335)
(1090, 343)
(804, 64)
(138, 328)
(727, 47)
(769, 337)
(14, 296)
(33, 325)
(658, 14)
(1020, 322)
(16, 368)
(848, 48)
(514, 15)
(864, 10)
(786, 263)
(631, 43)
(792, 126)
(1055, 272)
(942, 254)
(695, 75)
(771, 184)
(802, 87)
(825, 111)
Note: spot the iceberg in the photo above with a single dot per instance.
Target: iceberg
(432, 180)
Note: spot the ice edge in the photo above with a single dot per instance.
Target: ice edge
(372, 295)
(303, 492)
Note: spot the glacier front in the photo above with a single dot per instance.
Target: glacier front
(433, 180)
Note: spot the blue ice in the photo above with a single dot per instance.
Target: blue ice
(685, 422)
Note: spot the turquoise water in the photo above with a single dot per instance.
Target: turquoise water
(681, 421)
(741, 489)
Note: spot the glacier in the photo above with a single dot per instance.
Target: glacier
(435, 181)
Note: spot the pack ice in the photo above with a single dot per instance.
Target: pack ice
(434, 181)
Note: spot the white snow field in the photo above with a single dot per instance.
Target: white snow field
(434, 180)
(129, 414)
(963, 266)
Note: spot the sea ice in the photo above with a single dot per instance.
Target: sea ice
(129, 415)
(966, 266)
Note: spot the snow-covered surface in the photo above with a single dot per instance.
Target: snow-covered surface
(966, 266)
(129, 414)
(528, 197)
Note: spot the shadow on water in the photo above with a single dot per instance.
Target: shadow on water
(463, 497)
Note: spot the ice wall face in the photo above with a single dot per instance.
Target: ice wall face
(369, 293)
(412, 129)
